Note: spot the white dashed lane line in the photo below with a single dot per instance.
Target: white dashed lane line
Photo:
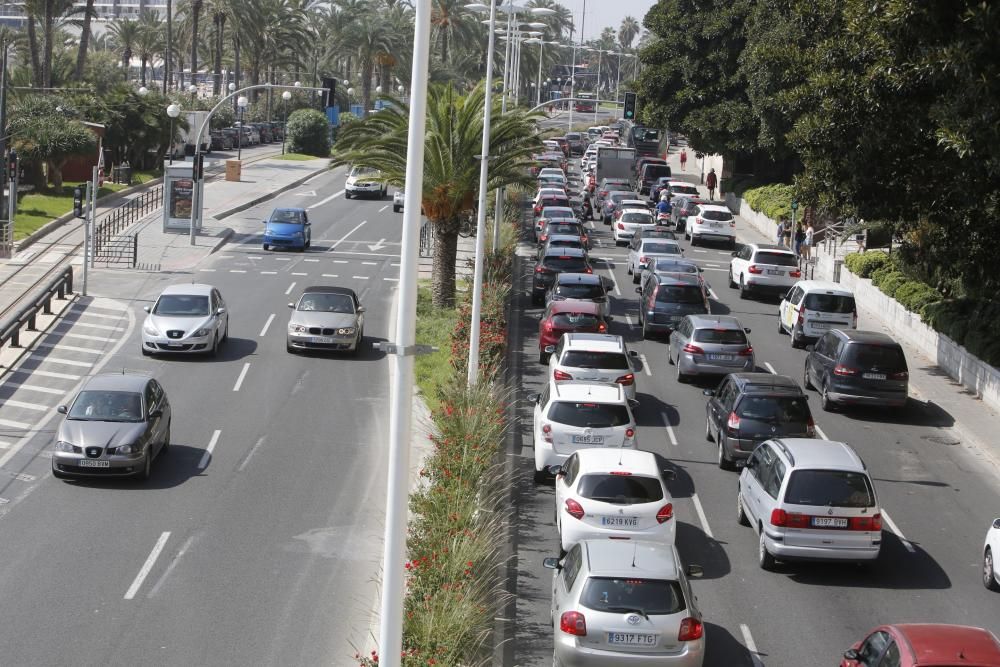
(10, 423)
(770, 368)
(237, 271)
(819, 432)
(27, 406)
(268, 273)
(670, 429)
(330, 275)
(383, 208)
(750, 644)
(296, 273)
(701, 515)
(360, 277)
(70, 348)
(290, 288)
(267, 324)
(645, 365)
(895, 529)
(243, 374)
(147, 566)
(342, 238)
(207, 456)
(49, 374)
(323, 201)
(31, 387)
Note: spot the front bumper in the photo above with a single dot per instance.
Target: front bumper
(364, 189)
(284, 242)
(164, 345)
(66, 464)
(308, 341)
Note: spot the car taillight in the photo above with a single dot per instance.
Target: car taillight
(547, 325)
(573, 623)
(621, 226)
(561, 375)
(746, 352)
(540, 269)
(621, 473)
(626, 380)
(779, 518)
(604, 193)
(642, 260)
(693, 349)
(753, 268)
(733, 423)
(841, 369)
(629, 432)
(866, 523)
(698, 221)
(901, 375)
(811, 428)
(783, 519)
(666, 513)
(574, 509)
(547, 432)
(588, 270)
(795, 274)
(802, 319)
(538, 209)
(691, 629)
(602, 327)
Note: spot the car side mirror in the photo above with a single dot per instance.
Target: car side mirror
(62, 409)
(996, 523)
(263, 222)
(851, 654)
(746, 329)
(810, 347)
(638, 290)
(751, 462)
(532, 397)
(708, 392)
(556, 471)
(695, 570)
(633, 353)
(360, 310)
(734, 253)
(549, 349)
(220, 311)
(156, 414)
(633, 403)
(551, 564)
(146, 308)
(291, 305)
(669, 474)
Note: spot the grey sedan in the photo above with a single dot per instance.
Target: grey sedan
(710, 345)
(115, 427)
(326, 318)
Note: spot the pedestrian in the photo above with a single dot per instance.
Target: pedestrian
(779, 234)
(684, 159)
(800, 239)
(711, 182)
(859, 238)
(788, 234)
(810, 239)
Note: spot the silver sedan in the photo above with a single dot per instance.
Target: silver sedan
(326, 318)
(186, 319)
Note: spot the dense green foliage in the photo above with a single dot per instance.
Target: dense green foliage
(972, 323)
(774, 201)
(309, 133)
(864, 264)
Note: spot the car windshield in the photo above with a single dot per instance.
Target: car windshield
(285, 215)
(679, 294)
(637, 218)
(723, 216)
(364, 171)
(661, 248)
(620, 489)
(182, 305)
(829, 303)
(774, 409)
(684, 189)
(326, 303)
(829, 488)
(589, 415)
(776, 258)
(107, 406)
(882, 357)
(566, 263)
(670, 266)
(646, 596)
(655, 171)
(720, 336)
(589, 359)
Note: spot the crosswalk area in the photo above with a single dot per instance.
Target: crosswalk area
(325, 259)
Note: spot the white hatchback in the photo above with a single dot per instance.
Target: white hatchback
(593, 357)
(631, 220)
(603, 493)
(762, 268)
(574, 415)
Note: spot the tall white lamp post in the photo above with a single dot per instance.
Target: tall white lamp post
(173, 111)
(241, 103)
(285, 96)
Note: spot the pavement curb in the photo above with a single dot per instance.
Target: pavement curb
(271, 195)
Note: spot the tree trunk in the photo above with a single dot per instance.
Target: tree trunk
(81, 56)
(236, 68)
(142, 70)
(220, 28)
(36, 64)
(55, 174)
(195, 11)
(443, 269)
(444, 47)
(366, 88)
(126, 61)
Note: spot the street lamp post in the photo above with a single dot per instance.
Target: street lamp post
(173, 111)
(193, 89)
(597, 104)
(241, 103)
(285, 96)
(618, 78)
(572, 76)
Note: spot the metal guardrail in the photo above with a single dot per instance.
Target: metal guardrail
(118, 219)
(24, 317)
(121, 250)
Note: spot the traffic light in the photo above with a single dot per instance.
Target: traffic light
(78, 201)
(330, 84)
(12, 164)
(199, 166)
(629, 106)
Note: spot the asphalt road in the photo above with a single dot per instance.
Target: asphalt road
(257, 539)
(937, 500)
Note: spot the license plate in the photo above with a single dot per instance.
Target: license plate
(631, 639)
(873, 376)
(829, 522)
(620, 521)
(175, 345)
(324, 340)
(719, 357)
(772, 272)
(588, 439)
(94, 463)
(821, 325)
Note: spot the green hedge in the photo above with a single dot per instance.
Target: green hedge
(972, 323)
(915, 295)
(774, 201)
(864, 264)
(890, 281)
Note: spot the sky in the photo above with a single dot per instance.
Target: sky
(604, 13)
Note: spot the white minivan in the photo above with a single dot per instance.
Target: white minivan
(813, 307)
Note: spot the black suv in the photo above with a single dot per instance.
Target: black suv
(748, 408)
(551, 264)
(857, 368)
(665, 299)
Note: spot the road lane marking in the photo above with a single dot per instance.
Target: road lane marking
(340, 261)
(50, 374)
(367, 254)
(645, 365)
(84, 313)
(14, 424)
(330, 275)
(750, 644)
(70, 348)
(147, 566)
(360, 277)
(99, 339)
(330, 198)
(267, 324)
(268, 273)
(711, 293)
(207, 270)
(243, 374)
(392, 279)
(670, 429)
(208, 450)
(698, 250)
(819, 432)
(27, 406)
(31, 387)
(64, 362)
(770, 368)
(701, 515)
(344, 237)
(370, 263)
(310, 260)
(614, 283)
(294, 273)
(253, 450)
(290, 288)
(283, 259)
(895, 529)
(105, 327)
(383, 208)
(628, 321)
(170, 568)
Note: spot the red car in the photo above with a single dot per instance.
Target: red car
(920, 644)
(569, 316)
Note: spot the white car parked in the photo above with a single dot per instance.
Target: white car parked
(602, 493)
(648, 251)
(991, 554)
(763, 268)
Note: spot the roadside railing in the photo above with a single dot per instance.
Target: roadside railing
(118, 219)
(22, 315)
(426, 239)
(118, 250)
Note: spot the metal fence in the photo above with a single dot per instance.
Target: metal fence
(426, 239)
(118, 250)
(59, 285)
(112, 223)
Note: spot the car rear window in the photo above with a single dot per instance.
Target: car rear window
(670, 266)
(637, 218)
(620, 489)
(829, 488)
(620, 596)
(653, 171)
(575, 320)
(776, 258)
(589, 415)
(581, 291)
(720, 336)
(724, 216)
(567, 264)
(866, 355)
(555, 201)
(563, 228)
(829, 303)
(558, 212)
(566, 243)
(661, 248)
(679, 294)
(774, 409)
(619, 196)
(684, 189)
(588, 359)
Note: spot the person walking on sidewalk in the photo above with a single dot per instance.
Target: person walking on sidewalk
(799, 239)
(684, 159)
(779, 234)
(711, 182)
(807, 244)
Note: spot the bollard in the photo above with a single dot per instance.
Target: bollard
(47, 306)
(15, 339)
(31, 323)
(69, 280)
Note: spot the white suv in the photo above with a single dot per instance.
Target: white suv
(762, 268)
(592, 357)
(573, 415)
(365, 181)
(709, 222)
(809, 499)
(813, 307)
(603, 493)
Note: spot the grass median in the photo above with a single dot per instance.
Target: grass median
(434, 326)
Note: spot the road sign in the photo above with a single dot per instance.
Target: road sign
(795, 205)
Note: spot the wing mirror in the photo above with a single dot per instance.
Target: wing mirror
(291, 305)
(695, 570)
(360, 310)
(555, 471)
(532, 397)
(551, 564)
(220, 311)
(746, 329)
(734, 253)
(851, 654)
(62, 409)
(669, 474)
(146, 308)
(751, 462)
(708, 392)
(633, 353)
(638, 290)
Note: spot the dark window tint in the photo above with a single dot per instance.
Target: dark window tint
(679, 294)
(774, 409)
(110, 406)
(669, 265)
(884, 357)
(580, 291)
(829, 303)
(776, 258)
(589, 415)
(637, 218)
(720, 336)
(566, 264)
(566, 243)
(558, 213)
(621, 489)
(661, 248)
(620, 596)
(724, 216)
(619, 196)
(555, 201)
(562, 228)
(684, 190)
(182, 305)
(575, 321)
(656, 171)
(604, 360)
(829, 488)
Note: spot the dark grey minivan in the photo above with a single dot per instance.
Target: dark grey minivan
(666, 298)
(857, 368)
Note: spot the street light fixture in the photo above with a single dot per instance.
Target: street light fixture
(241, 103)
(173, 110)
(143, 91)
(285, 96)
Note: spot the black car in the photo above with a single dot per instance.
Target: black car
(665, 300)
(749, 408)
(576, 143)
(680, 209)
(551, 264)
(857, 368)
(582, 286)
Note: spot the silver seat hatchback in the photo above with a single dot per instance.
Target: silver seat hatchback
(710, 345)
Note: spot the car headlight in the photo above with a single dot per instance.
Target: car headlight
(202, 332)
(346, 331)
(63, 446)
(297, 235)
(150, 330)
(126, 450)
(296, 328)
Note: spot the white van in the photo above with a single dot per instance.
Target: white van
(813, 307)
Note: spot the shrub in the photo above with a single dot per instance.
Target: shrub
(309, 133)
(914, 295)
(878, 275)
(774, 201)
(864, 264)
(890, 282)
(970, 322)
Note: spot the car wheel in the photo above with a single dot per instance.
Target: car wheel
(214, 350)
(732, 244)
(741, 516)
(824, 400)
(541, 477)
(629, 270)
(536, 299)
(347, 194)
(806, 382)
(635, 278)
(744, 292)
(694, 241)
(543, 358)
(793, 337)
(725, 463)
(681, 377)
(395, 209)
(732, 283)
(764, 557)
(989, 574)
(267, 247)
(645, 332)
(708, 430)
(781, 329)
(166, 441)
(670, 358)
(147, 466)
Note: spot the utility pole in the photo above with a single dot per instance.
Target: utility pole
(166, 56)
(572, 76)
(7, 233)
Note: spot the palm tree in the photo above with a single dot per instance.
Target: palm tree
(451, 23)
(370, 37)
(451, 170)
(81, 58)
(628, 31)
(149, 41)
(126, 34)
(193, 10)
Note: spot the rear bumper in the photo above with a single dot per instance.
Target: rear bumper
(569, 654)
(777, 547)
(762, 287)
(689, 366)
(889, 400)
